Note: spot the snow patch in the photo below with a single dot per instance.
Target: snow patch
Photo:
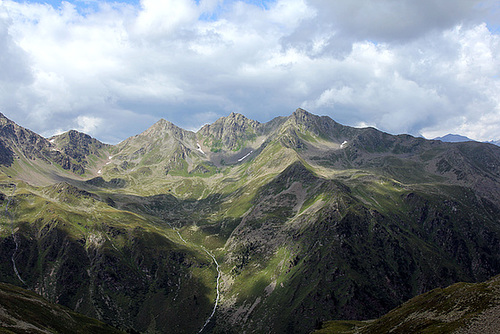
(246, 156)
(344, 144)
(99, 171)
(199, 148)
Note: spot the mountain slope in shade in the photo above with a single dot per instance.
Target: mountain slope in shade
(22, 311)
(290, 222)
(460, 308)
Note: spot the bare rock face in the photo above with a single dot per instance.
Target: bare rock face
(25, 142)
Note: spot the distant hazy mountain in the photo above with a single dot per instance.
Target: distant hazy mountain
(453, 138)
(494, 142)
(244, 226)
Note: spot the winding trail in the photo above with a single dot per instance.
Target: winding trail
(9, 217)
(219, 274)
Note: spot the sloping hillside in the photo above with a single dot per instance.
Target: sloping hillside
(460, 308)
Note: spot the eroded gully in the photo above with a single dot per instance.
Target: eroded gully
(8, 215)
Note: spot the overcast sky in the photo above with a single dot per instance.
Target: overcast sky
(112, 69)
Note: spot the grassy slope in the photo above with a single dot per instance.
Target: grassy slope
(461, 307)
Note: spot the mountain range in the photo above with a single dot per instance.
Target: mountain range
(244, 226)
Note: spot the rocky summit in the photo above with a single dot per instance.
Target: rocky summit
(245, 227)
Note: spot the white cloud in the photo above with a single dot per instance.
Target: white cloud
(160, 17)
(404, 66)
(88, 124)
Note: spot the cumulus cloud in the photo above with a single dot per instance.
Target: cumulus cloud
(422, 67)
(14, 67)
(88, 124)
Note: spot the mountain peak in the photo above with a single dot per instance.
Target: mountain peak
(301, 116)
(4, 120)
(162, 123)
(229, 132)
(163, 127)
(299, 112)
(236, 118)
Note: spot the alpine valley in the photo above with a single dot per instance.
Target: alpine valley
(242, 227)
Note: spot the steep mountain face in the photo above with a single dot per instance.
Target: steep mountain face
(162, 149)
(17, 141)
(279, 226)
(69, 246)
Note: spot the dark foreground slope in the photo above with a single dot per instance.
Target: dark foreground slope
(280, 225)
(460, 308)
(22, 311)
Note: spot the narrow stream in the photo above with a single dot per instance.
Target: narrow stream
(217, 286)
(9, 217)
(219, 274)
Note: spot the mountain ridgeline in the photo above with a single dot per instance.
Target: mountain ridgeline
(244, 226)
